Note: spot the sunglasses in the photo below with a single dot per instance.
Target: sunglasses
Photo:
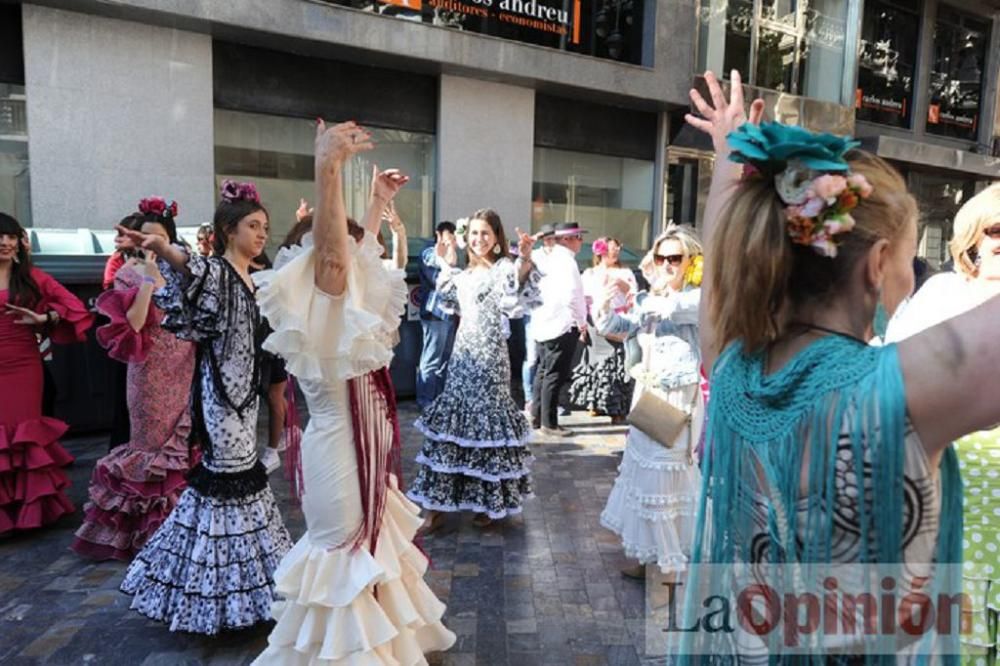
(993, 232)
(672, 259)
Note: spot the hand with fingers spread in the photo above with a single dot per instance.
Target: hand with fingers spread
(303, 210)
(335, 144)
(723, 116)
(25, 316)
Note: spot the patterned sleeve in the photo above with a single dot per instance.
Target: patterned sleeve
(123, 342)
(445, 295)
(193, 301)
(74, 318)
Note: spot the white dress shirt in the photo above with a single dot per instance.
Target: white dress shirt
(563, 303)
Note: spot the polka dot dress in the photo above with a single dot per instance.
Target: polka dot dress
(979, 460)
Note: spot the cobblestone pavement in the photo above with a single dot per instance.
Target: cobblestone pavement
(541, 588)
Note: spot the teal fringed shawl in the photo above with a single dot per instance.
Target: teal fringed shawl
(759, 428)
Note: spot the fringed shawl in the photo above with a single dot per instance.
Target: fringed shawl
(760, 427)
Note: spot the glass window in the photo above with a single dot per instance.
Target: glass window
(889, 40)
(794, 47)
(15, 190)
(956, 77)
(608, 196)
(939, 199)
(276, 153)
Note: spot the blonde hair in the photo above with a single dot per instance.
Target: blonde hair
(758, 274)
(973, 218)
(686, 236)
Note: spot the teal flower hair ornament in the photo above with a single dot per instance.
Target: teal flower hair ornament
(811, 178)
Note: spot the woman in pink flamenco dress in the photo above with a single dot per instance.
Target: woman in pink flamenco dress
(32, 483)
(135, 487)
(352, 587)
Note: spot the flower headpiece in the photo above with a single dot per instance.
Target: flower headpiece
(158, 207)
(232, 191)
(810, 176)
(600, 247)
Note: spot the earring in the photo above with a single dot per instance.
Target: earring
(880, 323)
(496, 249)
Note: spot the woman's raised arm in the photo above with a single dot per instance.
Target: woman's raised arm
(334, 146)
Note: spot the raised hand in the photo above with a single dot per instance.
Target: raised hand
(392, 218)
(723, 116)
(386, 184)
(525, 243)
(336, 144)
(24, 316)
(303, 210)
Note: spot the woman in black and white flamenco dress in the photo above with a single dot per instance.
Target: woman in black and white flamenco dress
(353, 585)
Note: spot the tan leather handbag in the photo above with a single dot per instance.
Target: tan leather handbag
(652, 414)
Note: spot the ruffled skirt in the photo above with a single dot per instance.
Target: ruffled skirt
(475, 455)
(653, 505)
(210, 566)
(600, 384)
(343, 606)
(132, 492)
(32, 483)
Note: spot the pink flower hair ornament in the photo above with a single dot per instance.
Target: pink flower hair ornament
(600, 247)
(232, 191)
(158, 207)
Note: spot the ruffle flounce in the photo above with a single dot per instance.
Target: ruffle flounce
(653, 508)
(123, 342)
(443, 491)
(74, 320)
(346, 606)
(32, 485)
(131, 494)
(210, 565)
(458, 417)
(319, 340)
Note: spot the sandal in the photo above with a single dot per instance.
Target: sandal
(432, 523)
(482, 520)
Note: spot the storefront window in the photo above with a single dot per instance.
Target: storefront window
(939, 198)
(610, 29)
(800, 47)
(608, 196)
(15, 190)
(956, 78)
(276, 152)
(889, 39)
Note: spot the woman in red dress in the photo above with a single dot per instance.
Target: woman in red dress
(32, 485)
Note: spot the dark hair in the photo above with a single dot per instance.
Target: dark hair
(598, 258)
(227, 217)
(300, 229)
(23, 290)
(166, 222)
(492, 218)
(206, 228)
(445, 226)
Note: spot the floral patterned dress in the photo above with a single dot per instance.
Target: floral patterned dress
(135, 487)
(211, 564)
(475, 455)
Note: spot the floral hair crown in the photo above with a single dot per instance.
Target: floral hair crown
(810, 175)
(232, 191)
(158, 207)
(599, 247)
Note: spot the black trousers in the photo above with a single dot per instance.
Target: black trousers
(517, 351)
(555, 364)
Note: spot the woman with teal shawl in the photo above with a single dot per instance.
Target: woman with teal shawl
(826, 460)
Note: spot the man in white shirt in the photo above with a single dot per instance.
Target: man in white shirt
(557, 325)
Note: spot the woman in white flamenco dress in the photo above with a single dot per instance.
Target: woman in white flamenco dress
(352, 587)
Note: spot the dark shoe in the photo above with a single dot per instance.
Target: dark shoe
(565, 411)
(635, 572)
(555, 432)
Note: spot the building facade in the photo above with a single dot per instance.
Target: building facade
(546, 110)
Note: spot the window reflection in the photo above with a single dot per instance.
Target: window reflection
(15, 191)
(889, 39)
(607, 195)
(956, 78)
